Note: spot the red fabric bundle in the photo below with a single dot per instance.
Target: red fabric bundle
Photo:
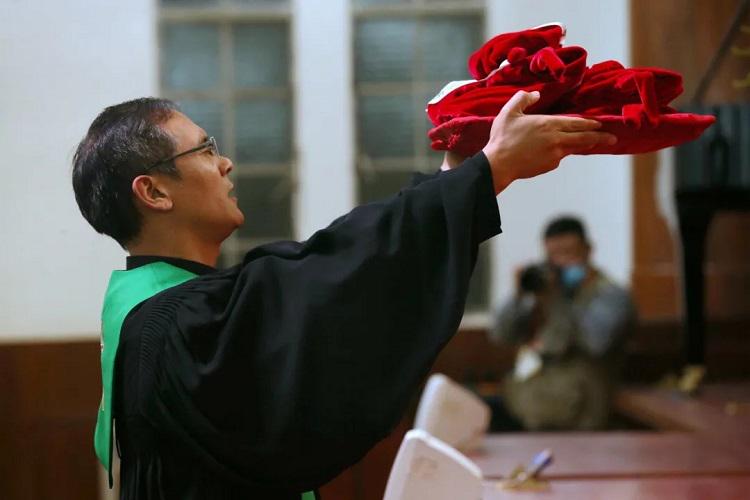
(489, 57)
(631, 103)
(608, 86)
(553, 72)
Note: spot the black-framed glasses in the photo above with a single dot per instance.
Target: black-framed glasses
(209, 143)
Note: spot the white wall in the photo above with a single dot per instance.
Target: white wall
(61, 62)
(597, 188)
(324, 111)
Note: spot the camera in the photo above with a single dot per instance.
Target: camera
(536, 278)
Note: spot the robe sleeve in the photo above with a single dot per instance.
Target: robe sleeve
(288, 368)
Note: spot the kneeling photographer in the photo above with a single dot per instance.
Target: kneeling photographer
(569, 322)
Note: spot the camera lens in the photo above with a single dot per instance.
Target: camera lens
(533, 279)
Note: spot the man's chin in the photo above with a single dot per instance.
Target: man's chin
(230, 227)
(239, 220)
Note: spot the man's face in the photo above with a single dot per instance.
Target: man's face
(202, 197)
(566, 249)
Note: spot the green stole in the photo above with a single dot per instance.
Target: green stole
(126, 290)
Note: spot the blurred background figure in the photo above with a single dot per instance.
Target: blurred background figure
(569, 321)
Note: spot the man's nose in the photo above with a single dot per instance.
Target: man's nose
(225, 165)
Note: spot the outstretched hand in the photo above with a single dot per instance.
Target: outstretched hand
(523, 146)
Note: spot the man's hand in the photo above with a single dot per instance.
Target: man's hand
(523, 146)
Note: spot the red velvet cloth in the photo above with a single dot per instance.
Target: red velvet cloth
(553, 72)
(468, 134)
(608, 86)
(631, 103)
(669, 130)
(465, 135)
(495, 51)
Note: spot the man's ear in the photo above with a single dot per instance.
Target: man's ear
(152, 193)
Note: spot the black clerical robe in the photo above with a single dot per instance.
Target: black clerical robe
(270, 378)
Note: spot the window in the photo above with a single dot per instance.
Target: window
(405, 51)
(227, 64)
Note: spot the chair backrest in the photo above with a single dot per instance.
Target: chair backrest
(452, 414)
(428, 469)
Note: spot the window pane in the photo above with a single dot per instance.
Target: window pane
(266, 203)
(262, 131)
(446, 45)
(207, 114)
(191, 56)
(261, 54)
(375, 186)
(384, 50)
(386, 125)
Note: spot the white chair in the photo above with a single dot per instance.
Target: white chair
(452, 414)
(428, 469)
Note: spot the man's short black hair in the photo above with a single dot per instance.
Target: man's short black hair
(566, 225)
(121, 143)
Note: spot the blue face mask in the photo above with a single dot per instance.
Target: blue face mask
(572, 276)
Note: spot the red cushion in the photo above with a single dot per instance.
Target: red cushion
(495, 51)
(669, 130)
(467, 135)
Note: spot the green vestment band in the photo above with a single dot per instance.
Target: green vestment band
(126, 290)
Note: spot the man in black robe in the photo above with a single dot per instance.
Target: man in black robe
(268, 379)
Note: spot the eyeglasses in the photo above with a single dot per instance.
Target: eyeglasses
(210, 143)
